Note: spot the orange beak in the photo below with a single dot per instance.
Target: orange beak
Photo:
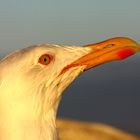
(113, 49)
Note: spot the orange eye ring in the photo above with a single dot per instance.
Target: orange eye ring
(45, 59)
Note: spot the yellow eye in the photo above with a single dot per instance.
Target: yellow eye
(45, 59)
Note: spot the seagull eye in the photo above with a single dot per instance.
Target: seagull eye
(45, 59)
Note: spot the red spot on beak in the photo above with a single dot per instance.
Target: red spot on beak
(125, 53)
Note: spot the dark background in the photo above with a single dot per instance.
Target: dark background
(108, 94)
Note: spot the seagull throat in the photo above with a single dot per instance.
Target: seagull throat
(30, 113)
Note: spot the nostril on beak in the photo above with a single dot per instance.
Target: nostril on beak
(109, 46)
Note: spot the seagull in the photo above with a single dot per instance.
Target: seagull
(33, 79)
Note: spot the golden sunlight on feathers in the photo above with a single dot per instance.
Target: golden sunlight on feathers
(76, 130)
(33, 79)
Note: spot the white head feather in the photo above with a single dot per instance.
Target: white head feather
(30, 92)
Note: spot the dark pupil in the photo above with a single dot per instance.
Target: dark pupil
(45, 59)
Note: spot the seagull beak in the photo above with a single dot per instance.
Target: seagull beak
(113, 49)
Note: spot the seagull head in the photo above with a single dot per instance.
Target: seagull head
(33, 79)
(36, 76)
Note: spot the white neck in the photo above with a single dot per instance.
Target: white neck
(18, 129)
(27, 113)
(23, 124)
(25, 117)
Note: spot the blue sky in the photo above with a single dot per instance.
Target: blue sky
(109, 93)
(73, 22)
